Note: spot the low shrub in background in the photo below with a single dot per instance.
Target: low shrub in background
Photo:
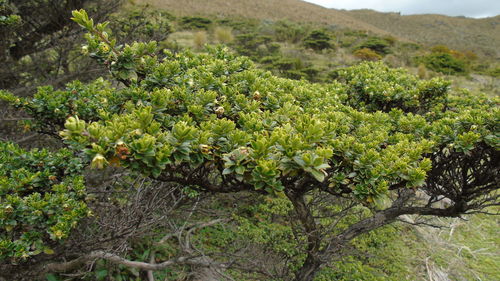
(318, 40)
(195, 22)
(367, 54)
(379, 45)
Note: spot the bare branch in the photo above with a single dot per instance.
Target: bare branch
(67, 266)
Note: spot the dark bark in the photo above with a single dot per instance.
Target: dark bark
(313, 260)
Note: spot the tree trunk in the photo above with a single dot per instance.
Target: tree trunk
(313, 261)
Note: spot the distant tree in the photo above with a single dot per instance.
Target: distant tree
(318, 40)
(195, 22)
(378, 45)
(249, 44)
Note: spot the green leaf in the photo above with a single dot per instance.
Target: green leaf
(318, 175)
(101, 274)
(48, 251)
(51, 277)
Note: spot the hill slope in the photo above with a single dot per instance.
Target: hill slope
(479, 35)
(294, 10)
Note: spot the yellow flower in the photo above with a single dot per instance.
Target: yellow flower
(59, 234)
(219, 111)
(205, 149)
(25, 255)
(98, 162)
(104, 48)
(256, 95)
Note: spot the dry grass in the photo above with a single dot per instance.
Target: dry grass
(200, 39)
(294, 10)
(464, 250)
(223, 35)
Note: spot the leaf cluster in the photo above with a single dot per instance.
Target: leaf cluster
(41, 198)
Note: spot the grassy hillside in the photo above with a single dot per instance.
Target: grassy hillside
(480, 35)
(294, 10)
(285, 47)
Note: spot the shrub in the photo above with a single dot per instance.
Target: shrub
(441, 49)
(445, 60)
(374, 86)
(410, 46)
(240, 25)
(273, 48)
(356, 33)
(312, 73)
(378, 45)
(247, 44)
(470, 55)
(390, 39)
(340, 159)
(318, 40)
(367, 54)
(292, 68)
(494, 72)
(195, 22)
(445, 63)
(42, 199)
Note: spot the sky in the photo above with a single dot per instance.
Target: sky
(468, 8)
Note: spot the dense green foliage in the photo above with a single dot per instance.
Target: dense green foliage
(318, 40)
(378, 45)
(444, 63)
(367, 54)
(216, 123)
(374, 86)
(187, 109)
(196, 22)
(41, 197)
(252, 44)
